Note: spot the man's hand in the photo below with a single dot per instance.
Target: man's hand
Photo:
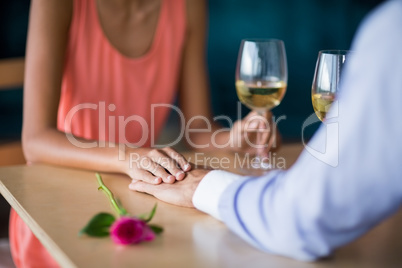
(254, 134)
(179, 193)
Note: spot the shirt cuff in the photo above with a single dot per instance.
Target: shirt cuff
(207, 195)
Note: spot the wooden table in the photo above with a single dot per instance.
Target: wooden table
(57, 202)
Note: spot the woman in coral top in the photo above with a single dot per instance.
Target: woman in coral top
(99, 75)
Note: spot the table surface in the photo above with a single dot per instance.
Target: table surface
(57, 202)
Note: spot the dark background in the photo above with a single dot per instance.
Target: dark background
(305, 26)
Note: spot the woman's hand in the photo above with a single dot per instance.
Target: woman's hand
(254, 134)
(155, 166)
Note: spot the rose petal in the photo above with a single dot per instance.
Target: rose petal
(127, 231)
(149, 235)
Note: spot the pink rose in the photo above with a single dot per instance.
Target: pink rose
(127, 230)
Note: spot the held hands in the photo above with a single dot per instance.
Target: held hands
(180, 193)
(154, 166)
(255, 134)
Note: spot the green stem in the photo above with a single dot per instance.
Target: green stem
(120, 210)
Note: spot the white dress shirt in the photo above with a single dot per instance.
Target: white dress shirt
(329, 198)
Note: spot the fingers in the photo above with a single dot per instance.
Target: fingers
(167, 159)
(270, 139)
(255, 122)
(263, 136)
(183, 163)
(146, 176)
(141, 186)
(269, 144)
(151, 165)
(258, 132)
(273, 140)
(159, 165)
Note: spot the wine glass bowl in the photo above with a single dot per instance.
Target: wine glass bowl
(261, 73)
(326, 80)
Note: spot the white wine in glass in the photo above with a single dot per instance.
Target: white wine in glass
(261, 77)
(326, 80)
(261, 95)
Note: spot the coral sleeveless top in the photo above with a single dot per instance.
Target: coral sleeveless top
(107, 96)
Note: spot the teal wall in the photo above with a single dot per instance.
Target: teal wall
(306, 27)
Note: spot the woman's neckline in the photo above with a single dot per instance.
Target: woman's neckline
(155, 38)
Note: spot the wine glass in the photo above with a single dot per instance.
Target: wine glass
(326, 80)
(261, 81)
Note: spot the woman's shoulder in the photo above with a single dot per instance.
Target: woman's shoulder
(56, 13)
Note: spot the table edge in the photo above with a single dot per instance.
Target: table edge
(46, 241)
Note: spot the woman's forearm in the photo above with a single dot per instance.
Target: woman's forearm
(53, 147)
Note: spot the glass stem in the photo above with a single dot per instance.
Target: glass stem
(263, 138)
(260, 136)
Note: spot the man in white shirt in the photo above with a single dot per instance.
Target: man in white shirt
(313, 208)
